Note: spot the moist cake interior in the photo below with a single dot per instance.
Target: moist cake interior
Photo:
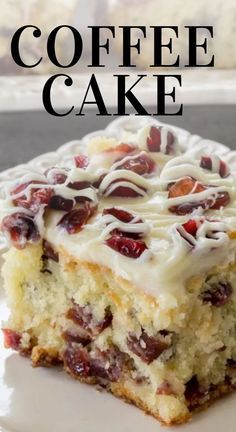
(121, 268)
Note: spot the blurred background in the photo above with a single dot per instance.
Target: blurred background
(209, 95)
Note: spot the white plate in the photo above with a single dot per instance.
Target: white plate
(47, 400)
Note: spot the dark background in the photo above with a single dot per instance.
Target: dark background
(24, 135)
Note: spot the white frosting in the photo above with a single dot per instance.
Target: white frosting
(173, 255)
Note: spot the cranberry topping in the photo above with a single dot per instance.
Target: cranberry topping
(120, 214)
(188, 185)
(83, 317)
(55, 177)
(206, 163)
(20, 188)
(184, 209)
(125, 191)
(141, 164)
(79, 185)
(74, 221)
(194, 392)
(49, 252)
(154, 140)
(57, 202)
(73, 336)
(222, 200)
(40, 197)
(224, 170)
(20, 228)
(123, 216)
(97, 182)
(12, 339)
(76, 360)
(107, 364)
(37, 198)
(148, 348)
(165, 389)
(81, 161)
(218, 295)
(185, 186)
(82, 200)
(126, 246)
(191, 227)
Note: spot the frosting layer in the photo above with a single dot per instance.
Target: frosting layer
(154, 205)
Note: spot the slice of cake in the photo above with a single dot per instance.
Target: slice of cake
(121, 267)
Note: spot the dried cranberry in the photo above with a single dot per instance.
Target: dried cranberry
(218, 295)
(191, 227)
(55, 177)
(141, 164)
(194, 392)
(20, 228)
(224, 170)
(79, 185)
(126, 246)
(40, 197)
(231, 363)
(222, 200)
(20, 188)
(184, 209)
(97, 182)
(125, 191)
(12, 339)
(76, 360)
(188, 185)
(125, 217)
(83, 317)
(37, 196)
(120, 214)
(74, 221)
(49, 252)
(206, 163)
(185, 186)
(107, 364)
(154, 141)
(81, 161)
(106, 322)
(73, 336)
(57, 202)
(148, 348)
(82, 200)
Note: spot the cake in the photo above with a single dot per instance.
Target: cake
(121, 265)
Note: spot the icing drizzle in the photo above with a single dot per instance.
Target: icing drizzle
(101, 183)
